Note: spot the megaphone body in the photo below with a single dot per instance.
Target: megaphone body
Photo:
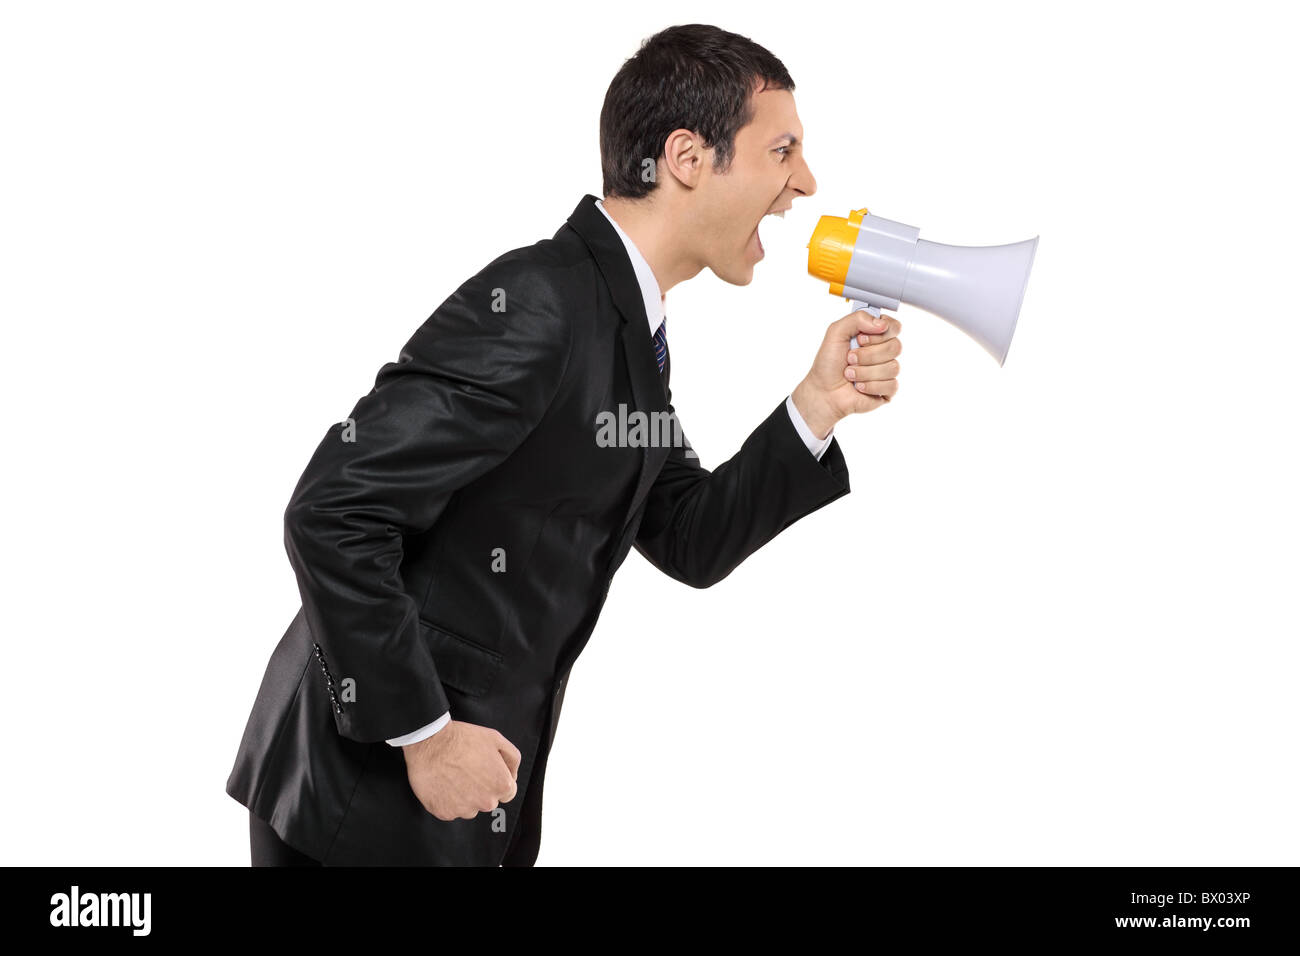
(879, 264)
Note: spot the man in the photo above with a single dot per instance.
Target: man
(454, 538)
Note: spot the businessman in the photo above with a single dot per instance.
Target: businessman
(454, 538)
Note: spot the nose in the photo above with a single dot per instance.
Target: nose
(803, 180)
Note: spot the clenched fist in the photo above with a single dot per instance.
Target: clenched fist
(845, 379)
(462, 770)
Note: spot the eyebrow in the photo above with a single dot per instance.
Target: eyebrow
(794, 140)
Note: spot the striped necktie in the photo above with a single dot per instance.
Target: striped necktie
(661, 344)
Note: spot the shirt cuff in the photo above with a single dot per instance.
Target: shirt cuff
(815, 445)
(428, 730)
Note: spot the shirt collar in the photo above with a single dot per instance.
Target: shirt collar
(645, 277)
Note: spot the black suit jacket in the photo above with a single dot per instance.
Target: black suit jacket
(482, 436)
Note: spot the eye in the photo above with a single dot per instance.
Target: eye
(782, 151)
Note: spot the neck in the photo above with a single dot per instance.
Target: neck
(649, 226)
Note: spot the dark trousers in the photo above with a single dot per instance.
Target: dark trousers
(269, 850)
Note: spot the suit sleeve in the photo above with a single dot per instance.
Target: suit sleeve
(465, 391)
(699, 525)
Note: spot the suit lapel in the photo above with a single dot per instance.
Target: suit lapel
(649, 388)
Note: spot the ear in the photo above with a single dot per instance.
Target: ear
(685, 156)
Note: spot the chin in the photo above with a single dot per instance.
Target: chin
(740, 275)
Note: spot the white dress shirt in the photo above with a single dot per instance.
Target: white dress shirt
(654, 310)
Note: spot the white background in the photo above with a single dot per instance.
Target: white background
(1054, 622)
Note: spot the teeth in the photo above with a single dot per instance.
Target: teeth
(781, 213)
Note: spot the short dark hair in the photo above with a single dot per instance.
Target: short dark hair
(692, 76)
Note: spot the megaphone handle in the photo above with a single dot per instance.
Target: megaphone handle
(861, 307)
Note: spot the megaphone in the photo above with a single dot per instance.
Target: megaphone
(878, 264)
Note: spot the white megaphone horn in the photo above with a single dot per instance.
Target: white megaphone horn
(878, 264)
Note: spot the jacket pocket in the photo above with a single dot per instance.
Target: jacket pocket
(465, 665)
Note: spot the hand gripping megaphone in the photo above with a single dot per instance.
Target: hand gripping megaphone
(878, 264)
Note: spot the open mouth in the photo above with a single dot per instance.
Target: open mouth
(759, 239)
